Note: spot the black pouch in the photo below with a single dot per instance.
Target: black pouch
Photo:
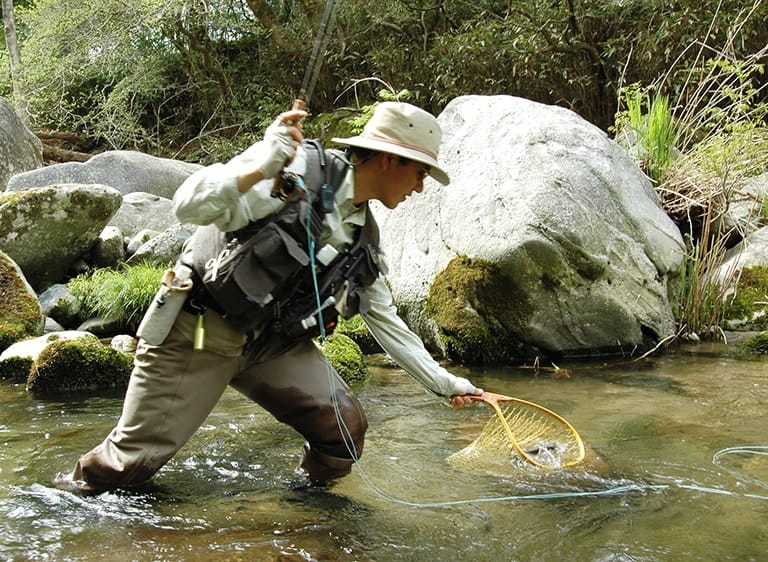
(302, 320)
(244, 278)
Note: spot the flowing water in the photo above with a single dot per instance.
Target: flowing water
(677, 469)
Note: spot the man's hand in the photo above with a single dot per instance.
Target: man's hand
(282, 138)
(459, 401)
(280, 142)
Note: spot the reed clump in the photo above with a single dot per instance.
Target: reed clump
(699, 146)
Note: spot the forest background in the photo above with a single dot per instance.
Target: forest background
(680, 82)
(183, 77)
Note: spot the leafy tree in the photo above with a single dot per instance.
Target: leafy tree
(14, 59)
(205, 76)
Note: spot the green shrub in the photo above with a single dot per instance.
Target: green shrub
(650, 120)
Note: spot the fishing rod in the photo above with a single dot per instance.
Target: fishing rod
(289, 185)
(316, 57)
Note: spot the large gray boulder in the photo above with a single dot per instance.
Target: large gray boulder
(20, 150)
(46, 230)
(125, 170)
(582, 257)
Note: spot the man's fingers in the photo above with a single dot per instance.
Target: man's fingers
(293, 117)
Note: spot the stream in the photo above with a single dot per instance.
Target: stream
(676, 469)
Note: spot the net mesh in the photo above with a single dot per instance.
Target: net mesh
(535, 438)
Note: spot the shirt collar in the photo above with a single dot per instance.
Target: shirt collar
(345, 195)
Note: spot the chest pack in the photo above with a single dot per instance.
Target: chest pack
(260, 277)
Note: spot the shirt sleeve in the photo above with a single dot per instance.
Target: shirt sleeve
(405, 347)
(210, 195)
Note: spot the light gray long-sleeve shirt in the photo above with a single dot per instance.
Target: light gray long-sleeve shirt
(210, 196)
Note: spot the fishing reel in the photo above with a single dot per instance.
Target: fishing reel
(289, 187)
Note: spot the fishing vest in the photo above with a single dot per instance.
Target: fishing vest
(261, 276)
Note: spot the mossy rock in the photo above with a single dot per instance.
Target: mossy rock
(472, 303)
(346, 357)
(20, 314)
(82, 365)
(356, 329)
(747, 308)
(756, 344)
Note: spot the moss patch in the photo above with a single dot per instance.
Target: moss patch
(20, 314)
(756, 344)
(356, 329)
(346, 357)
(748, 307)
(474, 304)
(82, 365)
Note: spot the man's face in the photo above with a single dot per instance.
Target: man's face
(401, 179)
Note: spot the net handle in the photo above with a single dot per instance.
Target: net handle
(493, 399)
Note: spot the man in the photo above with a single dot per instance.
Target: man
(175, 385)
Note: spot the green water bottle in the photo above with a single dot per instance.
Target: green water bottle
(199, 339)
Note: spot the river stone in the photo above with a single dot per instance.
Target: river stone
(20, 149)
(586, 255)
(139, 239)
(46, 230)
(745, 213)
(21, 315)
(165, 247)
(141, 211)
(109, 249)
(58, 303)
(127, 171)
(33, 347)
(750, 252)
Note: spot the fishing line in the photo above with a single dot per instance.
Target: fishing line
(346, 435)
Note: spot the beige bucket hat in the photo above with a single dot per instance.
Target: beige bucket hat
(404, 130)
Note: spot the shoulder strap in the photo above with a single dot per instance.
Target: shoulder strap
(325, 172)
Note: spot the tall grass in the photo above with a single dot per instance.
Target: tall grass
(117, 295)
(653, 129)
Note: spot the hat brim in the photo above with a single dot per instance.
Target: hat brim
(392, 148)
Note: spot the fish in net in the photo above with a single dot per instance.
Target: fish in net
(521, 433)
